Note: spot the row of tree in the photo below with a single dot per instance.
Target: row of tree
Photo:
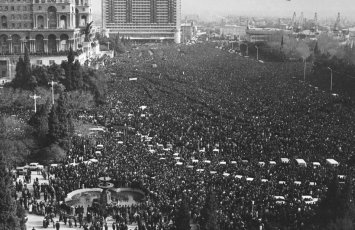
(69, 76)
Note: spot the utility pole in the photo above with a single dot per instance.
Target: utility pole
(52, 83)
(35, 101)
(331, 79)
(257, 53)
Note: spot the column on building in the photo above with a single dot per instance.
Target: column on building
(10, 46)
(58, 42)
(22, 46)
(58, 24)
(33, 46)
(45, 45)
(34, 21)
(46, 21)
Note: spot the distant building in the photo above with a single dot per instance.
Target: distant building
(233, 30)
(143, 20)
(265, 34)
(46, 28)
(188, 31)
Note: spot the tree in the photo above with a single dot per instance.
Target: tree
(40, 122)
(53, 126)
(182, 216)
(209, 214)
(11, 215)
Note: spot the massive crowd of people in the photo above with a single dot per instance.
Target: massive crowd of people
(204, 119)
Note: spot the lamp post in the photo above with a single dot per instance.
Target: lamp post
(331, 79)
(35, 101)
(304, 70)
(257, 53)
(52, 83)
(108, 46)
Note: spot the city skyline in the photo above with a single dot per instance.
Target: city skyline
(263, 8)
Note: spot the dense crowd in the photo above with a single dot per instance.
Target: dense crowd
(206, 119)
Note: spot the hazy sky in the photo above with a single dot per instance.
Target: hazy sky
(278, 8)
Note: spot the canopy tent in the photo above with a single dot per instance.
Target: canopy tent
(54, 165)
(264, 180)
(162, 158)
(285, 160)
(177, 158)
(213, 172)
(312, 183)
(238, 176)
(301, 162)
(245, 161)
(94, 160)
(226, 174)
(179, 163)
(200, 170)
(176, 154)
(216, 150)
(261, 163)
(233, 162)
(297, 182)
(316, 164)
(222, 163)
(332, 162)
(194, 161)
(272, 162)
(143, 107)
(100, 146)
(250, 179)
(207, 161)
(282, 182)
(120, 142)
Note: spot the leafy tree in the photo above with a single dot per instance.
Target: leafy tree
(209, 214)
(11, 215)
(54, 131)
(182, 216)
(50, 154)
(40, 122)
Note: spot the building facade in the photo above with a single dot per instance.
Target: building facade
(43, 27)
(233, 30)
(143, 19)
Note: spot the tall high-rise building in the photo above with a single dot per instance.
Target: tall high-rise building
(143, 19)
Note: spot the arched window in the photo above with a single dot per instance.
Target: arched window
(3, 44)
(16, 44)
(64, 42)
(39, 43)
(40, 21)
(63, 22)
(52, 43)
(52, 17)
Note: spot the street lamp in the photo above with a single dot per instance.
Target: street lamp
(331, 79)
(257, 53)
(304, 71)
(52, 83)
(35, 101)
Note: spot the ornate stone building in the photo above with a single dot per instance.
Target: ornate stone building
(43, 26)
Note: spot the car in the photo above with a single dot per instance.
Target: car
(21, 170)
(35, 167)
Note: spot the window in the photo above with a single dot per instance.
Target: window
(19, 25)
(51, 62)
(12, 17)
(63, 7)
(6, 8)
(18, 8)
(25, 25)
(13, 25)
(24, 8)
(39, 62)
(40, 8)
(25, 16)
(12, 8)
(0, 7)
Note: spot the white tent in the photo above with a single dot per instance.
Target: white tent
(261, 163)
(194, 161)
(272, 162)
(176, 154)
(99, 146)
(94, 160)
(238, 176)
(264, 180)
(332, 162)
(162, 158)
(285, 160)
(297, 182)
(226, 174)
(301, 162)
(177, 158)
(245, 161)
(233, 162)
(282, 182)
(120, 142)
(207, 161)
(213, 172)
(250, 179)
(143, 107)
(200, 170)
(312, 183)
(222, 163)
(179, 163)
(216, 150)
(316, 164)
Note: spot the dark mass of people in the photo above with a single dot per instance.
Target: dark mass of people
(204, 119)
